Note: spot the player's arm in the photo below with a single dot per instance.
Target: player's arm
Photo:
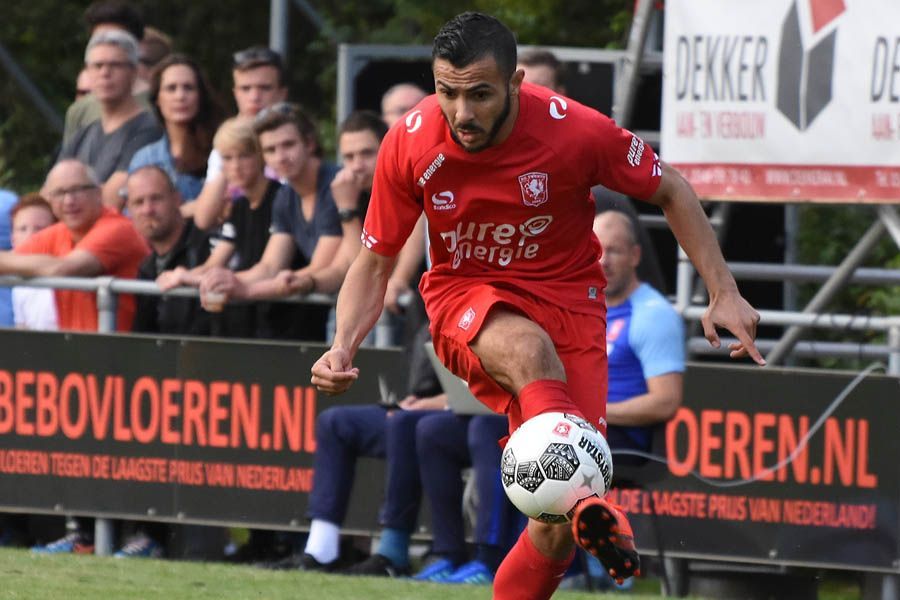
(358, 308)
(727, 308)
(663, 397)
(77, 263)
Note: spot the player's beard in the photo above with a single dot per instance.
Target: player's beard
(495, 128)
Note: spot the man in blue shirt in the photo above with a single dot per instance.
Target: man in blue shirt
(644, 340)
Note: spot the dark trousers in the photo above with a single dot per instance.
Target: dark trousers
(344, 433)
(447, 444)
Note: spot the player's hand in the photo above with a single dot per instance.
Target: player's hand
(731, 311)
(396, 288)
(168, 280)
(334, 372)
(345, 188)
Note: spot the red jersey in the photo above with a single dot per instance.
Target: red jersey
(518, 214)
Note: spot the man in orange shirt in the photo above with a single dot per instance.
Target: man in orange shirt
(89, 240)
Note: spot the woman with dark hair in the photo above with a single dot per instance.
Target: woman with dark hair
(186, 106)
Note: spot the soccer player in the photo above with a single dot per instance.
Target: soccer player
(515, 294)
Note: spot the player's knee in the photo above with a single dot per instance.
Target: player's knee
(523, 355)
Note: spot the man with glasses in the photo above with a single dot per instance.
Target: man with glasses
(89, 240)
(259, 82)
(108, 145)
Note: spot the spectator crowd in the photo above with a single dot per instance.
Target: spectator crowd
(154, 181)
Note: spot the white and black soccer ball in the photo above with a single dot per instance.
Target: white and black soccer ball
(553, 461)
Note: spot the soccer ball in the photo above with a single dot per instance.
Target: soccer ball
(553, 461)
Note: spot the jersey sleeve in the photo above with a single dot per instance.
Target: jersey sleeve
(394, 207)
(114, 242)
(657, 338)
(620, 160)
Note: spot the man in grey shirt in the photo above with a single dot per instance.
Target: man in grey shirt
(124, 127)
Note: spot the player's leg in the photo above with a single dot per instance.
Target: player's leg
(343, 433)
(598, 526)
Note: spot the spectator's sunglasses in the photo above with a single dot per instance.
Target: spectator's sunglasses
(257, 55)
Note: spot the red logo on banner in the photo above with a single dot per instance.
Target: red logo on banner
(824, 12)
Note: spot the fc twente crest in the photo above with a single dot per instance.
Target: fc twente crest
(534, 188)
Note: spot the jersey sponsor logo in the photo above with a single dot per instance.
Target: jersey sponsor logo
(369, 241)
(432, 169)
(495, 243)
(558, 107)
(612, 334)
(467, 319)
(413, 121)
(636, 151)
(535, 188)
(443, 201)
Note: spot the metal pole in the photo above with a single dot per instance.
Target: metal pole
(894, 345)
(31, 90)
(346, 83)
(831, 287)
(278, 27)
(627, 84)
(106, 323)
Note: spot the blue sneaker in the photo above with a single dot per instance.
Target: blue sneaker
(72, 543)
(474, 572)
(139, 546)
(437, 571)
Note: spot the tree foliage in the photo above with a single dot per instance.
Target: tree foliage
(48, 37)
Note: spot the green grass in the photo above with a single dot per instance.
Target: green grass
(26, 576)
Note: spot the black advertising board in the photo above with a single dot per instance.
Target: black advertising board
(835, 504)
(179, 430)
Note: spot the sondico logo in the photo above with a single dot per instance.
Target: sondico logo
(806, 59)
(413, 121)
(558, 107)
(443, 201)
(493, 243)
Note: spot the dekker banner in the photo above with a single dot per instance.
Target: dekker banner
(835, 502)
(795, 100)
(194, 430)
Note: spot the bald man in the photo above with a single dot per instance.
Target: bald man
(89, 240)
(398, 100)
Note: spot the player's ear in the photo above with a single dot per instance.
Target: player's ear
(515, 82)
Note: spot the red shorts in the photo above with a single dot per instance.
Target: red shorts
(580, 341)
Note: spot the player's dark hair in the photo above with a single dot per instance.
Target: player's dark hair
(119, 12)
(471, 36)
(364, 120)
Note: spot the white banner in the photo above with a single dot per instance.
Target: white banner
(784, 99)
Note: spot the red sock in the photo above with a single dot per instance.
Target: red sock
(546, 395)
(526, 574)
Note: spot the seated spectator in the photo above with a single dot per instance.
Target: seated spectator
(645, 345)
(89, 240)
(153, 203)
(108, 145)
(306, 230)
(259, 82)
(240, 242)
(185, 105)
(344, 433)
(106, 15)
(446, 444)
(33, 308)
(398, 101)
(359, 138)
